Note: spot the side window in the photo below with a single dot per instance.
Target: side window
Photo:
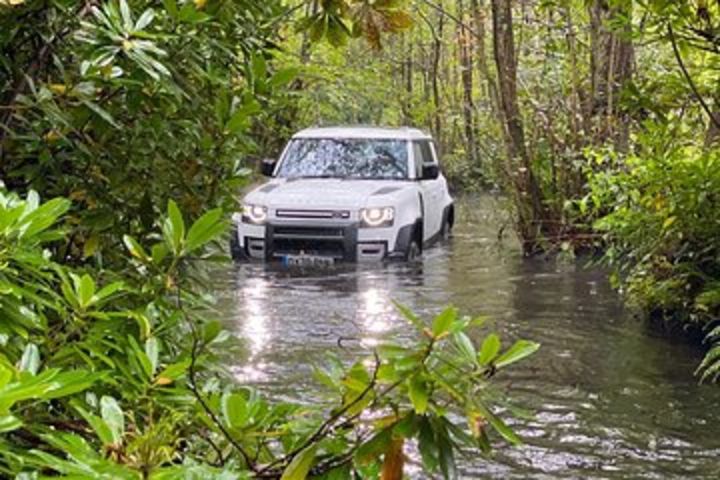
(423, 156)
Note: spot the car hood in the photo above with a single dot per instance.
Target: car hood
(322, 193)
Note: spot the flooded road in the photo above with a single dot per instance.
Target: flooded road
(610, 399)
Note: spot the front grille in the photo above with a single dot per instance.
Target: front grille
(314, 214)
(327, 240)
(330, 248)
(308, 232)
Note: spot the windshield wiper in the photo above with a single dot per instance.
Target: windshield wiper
(319, 176)
(373, 178)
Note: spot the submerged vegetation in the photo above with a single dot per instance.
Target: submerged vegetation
(599, 119)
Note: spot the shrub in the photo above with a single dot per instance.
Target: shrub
(661, 220)
(115, 374)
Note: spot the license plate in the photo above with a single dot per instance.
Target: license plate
(307, 260)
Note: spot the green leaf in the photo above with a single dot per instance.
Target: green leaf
(499, 426)
(465, 346)
(152, 350)
(107, 291)
(240, 119)
(71, 382)
(300, 465)
(85, 289)
(30, 361)
(126, 15)
(8, 423)
(205, 229)
(446, 455)
(43, 217)
(171, 7)
(234, 409)
(442, 323)
(409, 315)
(418, 393)
(373, 448)
(520, 350)
(283, 77)
(489, 349)
(102, 430)
(101, 112)
(175, 370)
(145, 19)
(135, 248)
(112, 414)
(428, 446)
(174, 228)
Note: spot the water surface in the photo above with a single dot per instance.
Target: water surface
(610, 398)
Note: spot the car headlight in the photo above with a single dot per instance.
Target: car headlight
(256, 214)
(377, 217)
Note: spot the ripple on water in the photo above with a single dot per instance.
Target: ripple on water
(609, 400)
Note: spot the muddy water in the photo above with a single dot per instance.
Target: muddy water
(610, 399)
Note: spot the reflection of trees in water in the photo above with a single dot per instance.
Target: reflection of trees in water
(593, 352)
(346, 158)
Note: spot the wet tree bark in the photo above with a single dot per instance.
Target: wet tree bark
(528, 199)
(465, 47)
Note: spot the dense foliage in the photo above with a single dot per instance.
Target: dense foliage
(657, 202)
(118, 376)
(574, 108)
(120, 106)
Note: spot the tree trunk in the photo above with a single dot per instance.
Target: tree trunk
(611, 61)
(527, 193)
(465, 45)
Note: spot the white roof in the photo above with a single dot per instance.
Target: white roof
(400, 133)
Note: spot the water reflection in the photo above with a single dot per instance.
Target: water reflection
(610, 401)
(255, 327)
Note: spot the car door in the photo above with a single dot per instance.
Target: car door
(431, 189)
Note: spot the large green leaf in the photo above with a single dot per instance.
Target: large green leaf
(300, 465)
(519, 350)
(113, 417)
(206, 228)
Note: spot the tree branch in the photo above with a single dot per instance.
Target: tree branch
(689, 79)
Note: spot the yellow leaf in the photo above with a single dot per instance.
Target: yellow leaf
(57, 88)
(668, 222)
(53, 135)
(163, 381)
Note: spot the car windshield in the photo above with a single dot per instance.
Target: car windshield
(345, 158)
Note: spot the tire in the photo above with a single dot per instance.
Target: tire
(447, 225)
(413, 251)
(236, 251)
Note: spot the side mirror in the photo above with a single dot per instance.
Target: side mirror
(430, 172)
(267, 167)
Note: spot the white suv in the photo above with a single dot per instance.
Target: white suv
(346, 194)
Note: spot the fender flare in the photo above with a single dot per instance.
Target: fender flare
(407, 233)
(448, 216)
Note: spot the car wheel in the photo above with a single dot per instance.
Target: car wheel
(413, 251)
(447, 226)
(236, 251)
(445, 230)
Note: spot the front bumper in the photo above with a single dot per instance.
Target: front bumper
(344, 241)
